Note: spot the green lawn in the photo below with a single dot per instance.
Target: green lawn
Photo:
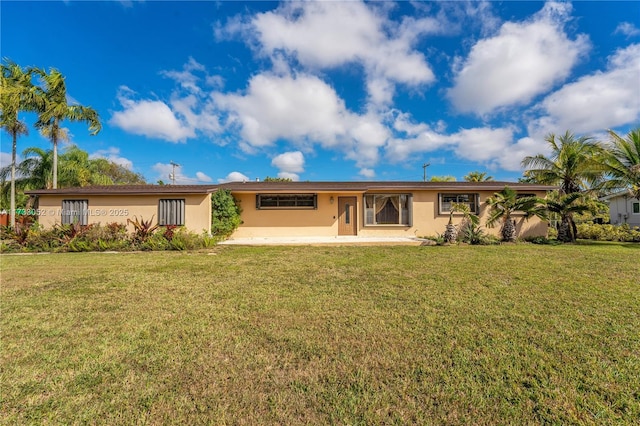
(511, 334)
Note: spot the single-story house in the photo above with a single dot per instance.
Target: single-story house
(623, 208)
(289, 209)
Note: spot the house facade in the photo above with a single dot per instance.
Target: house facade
(623, 208)
(289, 209)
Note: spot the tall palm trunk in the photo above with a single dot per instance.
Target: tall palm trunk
(12, 214)
(509, 230)
(54, 139)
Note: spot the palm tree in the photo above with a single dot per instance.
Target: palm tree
(503, 204)
(623, 162)
(35, 169)
(15, 96)
(468, 219)
(476, 176)
(565, 206)
(574, 165)
(53, 109)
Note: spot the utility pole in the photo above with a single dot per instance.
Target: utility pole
(172, 175)
(424, 171)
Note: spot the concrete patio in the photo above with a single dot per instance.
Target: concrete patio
(337, 240)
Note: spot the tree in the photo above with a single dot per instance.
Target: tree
(468, 220)
(443, 179)
(277, 179)
(623, 162)
(75, 169)
(34, 170)
(478, 177)
(16, 93)
(565, 206)
(225, 213)
(117, 174)
(575, 164)
(53, 109)
(503, 204)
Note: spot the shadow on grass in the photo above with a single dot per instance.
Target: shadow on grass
(630, 245)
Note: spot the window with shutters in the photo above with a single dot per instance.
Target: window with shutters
(75, 212)
(171, 212)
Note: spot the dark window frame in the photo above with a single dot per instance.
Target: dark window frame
(293, 201)
(474, 205)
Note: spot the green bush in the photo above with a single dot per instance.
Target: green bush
(591, 231)
(97, 237)
(225, 213)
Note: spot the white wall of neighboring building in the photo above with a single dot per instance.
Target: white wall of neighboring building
(624, 209)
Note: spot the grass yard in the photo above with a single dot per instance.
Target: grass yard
(511, 334)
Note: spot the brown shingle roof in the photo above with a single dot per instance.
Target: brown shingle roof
(127, 189)
(252, 186)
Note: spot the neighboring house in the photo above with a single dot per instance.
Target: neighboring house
(623, 208)
(277, 209)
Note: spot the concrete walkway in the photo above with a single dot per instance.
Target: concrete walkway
(338, 240)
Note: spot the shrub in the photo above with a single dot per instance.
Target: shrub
(542, 240)
(225, 216)
(607, 232)
(142, 230)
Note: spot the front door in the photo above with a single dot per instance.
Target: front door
(347, 221)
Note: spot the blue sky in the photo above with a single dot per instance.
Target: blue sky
(331, 91)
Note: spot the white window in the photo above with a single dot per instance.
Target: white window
(387, 209)
(171, 212)
(635, 208)
(447, 200)
(75, 212)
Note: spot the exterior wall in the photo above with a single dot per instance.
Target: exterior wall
(323, 221)
(320, 222)
(621, 211)
(118, 208)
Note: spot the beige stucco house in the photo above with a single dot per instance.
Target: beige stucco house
(287, 209)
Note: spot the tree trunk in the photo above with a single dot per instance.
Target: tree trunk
(451, 233)
(55, 163)
(509, 230)
(12, 213)
(565, 233)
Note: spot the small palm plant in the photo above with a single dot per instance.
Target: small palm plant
(504, 203)
(451, 233)
(565, 206)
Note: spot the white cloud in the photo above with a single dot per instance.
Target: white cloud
(202, 177)
(628, 29)
(234, 177)
(153, 119)
(165, 170)
(292, 162)
(305, 111)
(113, 154)
(602, 100)
(523, 60)
(298, 109)
(321, 35)
(487, 145)
(481, 144)
(286, 175)
(367, 173)
(5, 159)
(512, 155)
